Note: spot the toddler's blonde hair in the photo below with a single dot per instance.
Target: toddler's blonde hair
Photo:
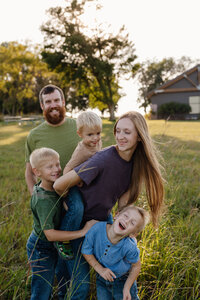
(88, 119)
(38, 156)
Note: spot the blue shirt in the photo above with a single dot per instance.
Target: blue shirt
(106, 177)
(117, 257)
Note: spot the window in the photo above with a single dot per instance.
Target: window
(154, 107)
(194, 102)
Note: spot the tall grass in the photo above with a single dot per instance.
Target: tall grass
(170, 254)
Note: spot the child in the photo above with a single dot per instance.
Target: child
(114, 255)
(89, 127)
(46, 209)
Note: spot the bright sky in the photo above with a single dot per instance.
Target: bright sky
(158, 28)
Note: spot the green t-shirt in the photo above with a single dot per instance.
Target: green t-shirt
(46, 208)
(62, 138)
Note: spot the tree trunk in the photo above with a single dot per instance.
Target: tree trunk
(111, 108)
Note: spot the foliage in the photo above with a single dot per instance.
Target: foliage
(172, 108)
(153, 74)
(22, 74)
(169, 254)
(93, 61)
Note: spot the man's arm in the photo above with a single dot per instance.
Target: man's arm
(30, 177)
(106, 273)
(133, 274)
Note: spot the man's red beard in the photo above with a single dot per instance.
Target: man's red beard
(54, 119)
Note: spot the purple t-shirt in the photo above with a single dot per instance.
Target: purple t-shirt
(106, 176)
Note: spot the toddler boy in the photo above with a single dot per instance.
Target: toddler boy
(89, 127)
(114, 255)
(46, 210)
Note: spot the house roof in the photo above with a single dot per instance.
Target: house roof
(167, 87)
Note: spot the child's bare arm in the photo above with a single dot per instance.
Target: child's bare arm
(106, 273)
(53, 235)
(133, 274)
(63, 183)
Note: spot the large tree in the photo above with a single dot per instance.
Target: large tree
(94, 61)
(153, 74)
(22, 73)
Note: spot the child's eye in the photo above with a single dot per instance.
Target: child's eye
(90, 134)
(98, 133)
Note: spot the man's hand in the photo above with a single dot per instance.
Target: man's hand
(107, 274)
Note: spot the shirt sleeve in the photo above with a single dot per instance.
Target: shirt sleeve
(29, 147)
(90, 169)
(46, 211)
(133, 253)
(88, 243)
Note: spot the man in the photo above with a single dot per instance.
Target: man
(57, 132)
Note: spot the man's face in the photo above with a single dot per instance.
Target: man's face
(53, 107)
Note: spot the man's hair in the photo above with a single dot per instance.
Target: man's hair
(38, 156)
(89, 119)
(49, 89)
(143, 213)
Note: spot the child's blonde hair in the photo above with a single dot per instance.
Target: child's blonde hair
(88, 119)
(143, 213)
(38, 156)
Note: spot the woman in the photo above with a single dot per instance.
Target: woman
(117, 173)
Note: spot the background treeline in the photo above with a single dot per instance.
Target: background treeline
(86, 62)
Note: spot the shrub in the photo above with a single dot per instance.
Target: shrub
(172, 108)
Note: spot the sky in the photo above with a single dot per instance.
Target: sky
(158, 28)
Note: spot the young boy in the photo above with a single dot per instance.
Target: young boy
(46, 209)
(114, 255)
(89, 127)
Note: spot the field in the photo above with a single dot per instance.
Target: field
(170, 255)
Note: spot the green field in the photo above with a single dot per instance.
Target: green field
(170, 255)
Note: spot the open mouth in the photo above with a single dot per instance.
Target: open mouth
(121, 226)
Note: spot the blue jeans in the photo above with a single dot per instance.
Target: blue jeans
(76, 269)
(43, 258)
(107, 290)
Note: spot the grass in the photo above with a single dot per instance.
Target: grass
(170, 254)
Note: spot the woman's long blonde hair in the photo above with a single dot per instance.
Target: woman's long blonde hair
(146, 167)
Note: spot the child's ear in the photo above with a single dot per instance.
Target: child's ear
(116, 215)
(79, 133)
(36, 172)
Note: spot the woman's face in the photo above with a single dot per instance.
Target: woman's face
(126, 135)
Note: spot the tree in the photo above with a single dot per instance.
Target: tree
(95, 62)
(22, 73)
(153, 74)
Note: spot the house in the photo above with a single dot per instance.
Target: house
(185, 88)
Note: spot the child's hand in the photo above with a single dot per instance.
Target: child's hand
(88, 225)
(107, 274)
(126, 294)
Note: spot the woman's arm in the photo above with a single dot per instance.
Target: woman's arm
(106, 273)
(63, 183)
(133, 274)
(123, 200)
(53, 235)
